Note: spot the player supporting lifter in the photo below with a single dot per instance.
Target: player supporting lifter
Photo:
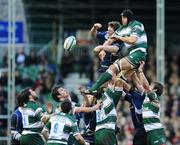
(32, 114)
(132, 33)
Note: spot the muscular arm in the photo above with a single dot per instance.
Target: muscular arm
(80, 139)
(142, 77)
(87, 109)
(45, 133)
(94, 29)
(111, 49)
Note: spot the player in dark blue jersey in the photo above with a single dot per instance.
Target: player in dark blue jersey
(107, 54)
(135, 98)
(16, 122)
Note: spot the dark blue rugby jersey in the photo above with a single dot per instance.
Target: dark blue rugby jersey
(16, 121)
(109, 57)
(136, 100)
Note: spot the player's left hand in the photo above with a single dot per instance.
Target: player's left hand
(97, 49)
(49, 107)
(102, 54)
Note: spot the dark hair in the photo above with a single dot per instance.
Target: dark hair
(158, 87)
(55, 93)
(128, 14)
(66, 106)
(24, 95)
(114, 24)
(20, 100)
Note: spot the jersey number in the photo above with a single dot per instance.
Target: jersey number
(57, 127)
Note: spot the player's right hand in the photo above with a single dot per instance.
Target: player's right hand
(140, 69)
(98, 105)
(97, 25)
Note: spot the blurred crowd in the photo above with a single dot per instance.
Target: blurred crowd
(42, 73)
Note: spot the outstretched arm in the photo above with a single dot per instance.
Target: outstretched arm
(142, 77)
(81, 140)
(110, 48)
(87, 109)
(130, 40)
(94, 29)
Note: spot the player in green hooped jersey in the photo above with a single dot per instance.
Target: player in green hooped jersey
(31, 117)
(59, 94)
(59, 127)
(151, 116)
(133, 34)
(106, 116)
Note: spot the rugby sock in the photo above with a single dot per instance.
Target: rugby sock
(102, 79)
(117, 94)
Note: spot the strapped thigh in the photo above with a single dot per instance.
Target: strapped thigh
(116, 64)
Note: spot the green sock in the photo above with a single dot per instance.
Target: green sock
(115, 94)
(102, 79)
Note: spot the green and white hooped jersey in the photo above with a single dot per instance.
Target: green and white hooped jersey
(151, 113)
(73, 110)
(31, 118)
(134, 28)
(60, 126)
(106, 115)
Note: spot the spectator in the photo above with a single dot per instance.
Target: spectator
(21, 57)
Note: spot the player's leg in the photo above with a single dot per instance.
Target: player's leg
(128, 66)
(104, 77)
(121, 65)
(140, 137)
(105, 137)
(156, 137)
(31, 139)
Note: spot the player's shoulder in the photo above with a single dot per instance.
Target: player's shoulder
(71, 117)
(119, 29)
(135, 23)
(68, 116)
(33, 105)
(102, 32)
(102, 35)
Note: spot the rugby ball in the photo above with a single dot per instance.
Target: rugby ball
(69, 43)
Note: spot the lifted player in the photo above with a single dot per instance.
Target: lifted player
(107, 54)
(133, 35)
